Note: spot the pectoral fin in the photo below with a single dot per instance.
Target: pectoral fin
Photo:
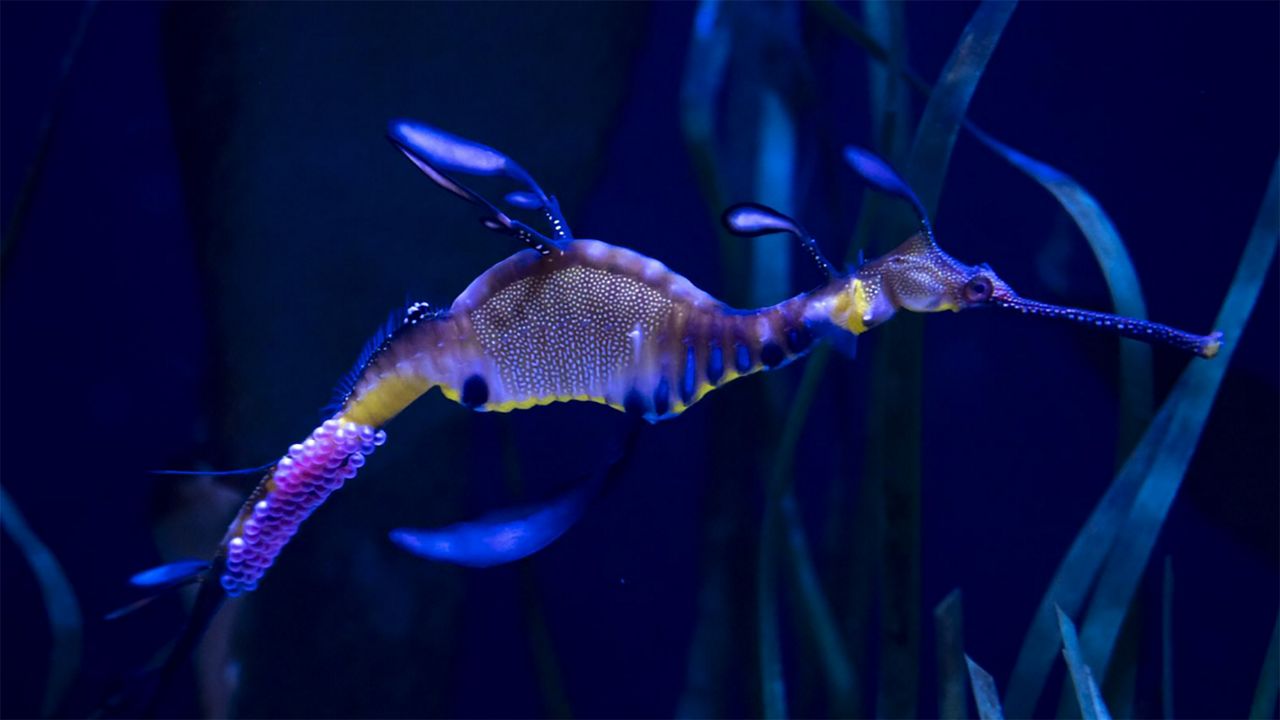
(512, 534)
(503, 536)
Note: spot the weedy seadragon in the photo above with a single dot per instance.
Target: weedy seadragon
(569, 319)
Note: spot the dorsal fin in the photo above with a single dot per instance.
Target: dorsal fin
(877, 173)
(753, 220)
(411, 314)
(919, 244)
(174, 573)
(508, 535)
(435, 151)
(160, 580)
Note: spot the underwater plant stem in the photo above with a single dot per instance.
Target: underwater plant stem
(782, 477)
(774, 183)
(704, 72)
(893, 464)
(890, 113)
(65, 625)
(1166, 641)
(773, 145)
(1088, 698)
(843, 23)
(894, 442)
(702, 693)
(1074, 576)
(1136, 383)
(1170, 439)
(1135, 367)
(770, 273)
(944, 114)
(948, 621)
(1266, 695)
(949, 632)
(541, 644)
(839, 671)
(1120, 684)
(890, 104)
(984, 692)
(880, 533)
(773, 689)
(1135, 380)
(1188, 405)
(44, 136)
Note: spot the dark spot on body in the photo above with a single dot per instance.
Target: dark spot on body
(741, 357)
(799, 339)
(689, 383)
(772, 355)
(634, 403)
(715, 364)
(662, 397)
(475, 392)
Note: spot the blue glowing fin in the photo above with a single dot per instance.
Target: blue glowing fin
(877, 173)
(549, 206)
(524, 199)
(503, 536)
(508, 535)
(446, 151)
(1092, 706)
(496, 219)
(396, 319)
(436, 152)
(133, 606)
(174, 573)
(753, 220)
(160, 580)
(215, 473)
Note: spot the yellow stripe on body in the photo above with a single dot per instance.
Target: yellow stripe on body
(526, 403)
(850, 307)
(677, 406)
(389, 395)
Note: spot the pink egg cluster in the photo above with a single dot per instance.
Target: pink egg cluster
(303, 480)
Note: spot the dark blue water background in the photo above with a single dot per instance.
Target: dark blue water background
(1166, 112)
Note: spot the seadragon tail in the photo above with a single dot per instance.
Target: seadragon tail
(298, 484)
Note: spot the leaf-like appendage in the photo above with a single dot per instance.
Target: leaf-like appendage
(501, 537)
(446, 151)
(878, 174)
(984, 692)
(170, 574)
(1091, 705)
(523, 199)
(754, 219)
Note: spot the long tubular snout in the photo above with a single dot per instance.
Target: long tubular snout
(1206, 346)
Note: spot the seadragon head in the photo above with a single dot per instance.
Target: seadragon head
(918, 276)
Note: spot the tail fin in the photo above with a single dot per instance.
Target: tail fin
(160, 580)
(144, 692)
(508, 535)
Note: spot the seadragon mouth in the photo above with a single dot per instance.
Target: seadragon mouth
(1205, 346)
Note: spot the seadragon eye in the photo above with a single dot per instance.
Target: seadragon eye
(978, 289)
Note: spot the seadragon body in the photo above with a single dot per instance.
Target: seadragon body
(589, 322)
(582, 320)
(594, 322)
